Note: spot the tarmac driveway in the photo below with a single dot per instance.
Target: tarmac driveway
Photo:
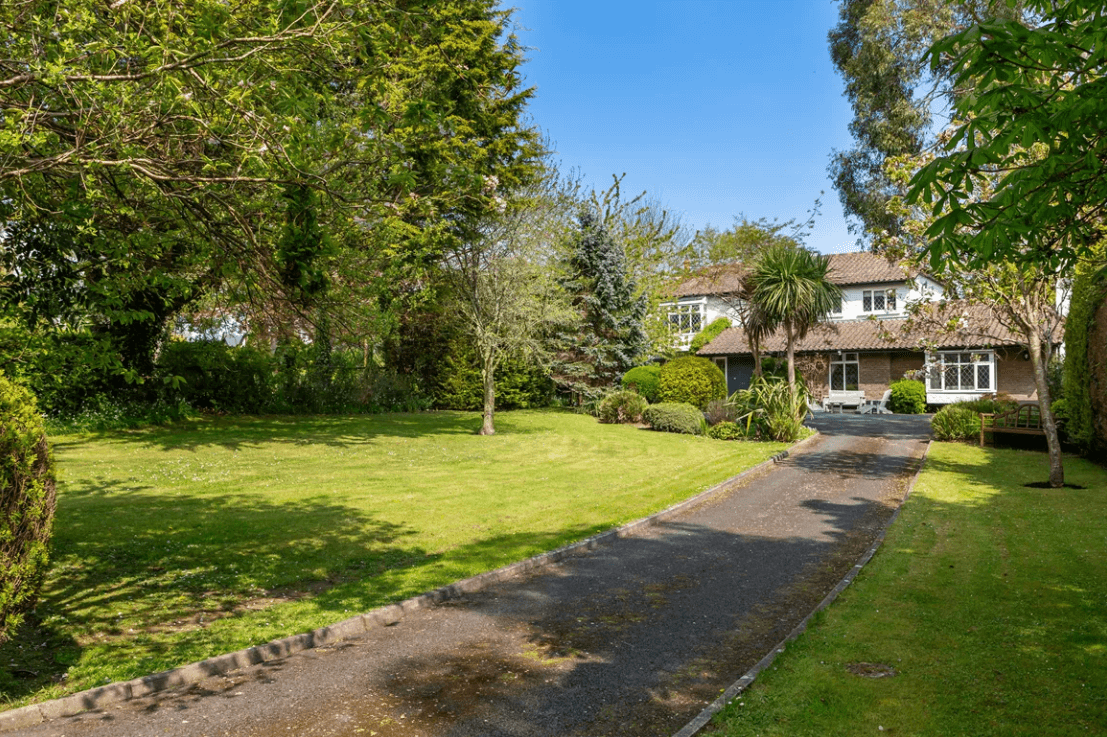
(633, 638)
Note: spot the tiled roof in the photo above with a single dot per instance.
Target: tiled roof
(978, 328)
(845, 269)
(723, 279)
(866, 268)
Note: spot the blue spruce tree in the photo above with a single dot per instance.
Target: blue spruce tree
(609, 338)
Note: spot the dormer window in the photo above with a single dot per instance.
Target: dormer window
(878, 300)
(685, 320)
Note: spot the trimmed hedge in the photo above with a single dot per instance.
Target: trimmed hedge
(27, 500)
(692, 380)
(646, 380)
(675, 417)
(908, 397)
(622, 407)
(709, 333)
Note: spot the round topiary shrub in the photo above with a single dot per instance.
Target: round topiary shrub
(675, 417)
(646, 380)
(27, 498)
(620, 407)
(693, 380)
(908, 397)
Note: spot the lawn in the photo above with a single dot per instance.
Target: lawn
(174, 544)
(989, 601)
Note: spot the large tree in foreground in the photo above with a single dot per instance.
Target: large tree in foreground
(791, 289)
(1032, 130)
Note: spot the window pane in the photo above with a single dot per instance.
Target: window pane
(878, 301)
(891, 299)
(966, 358)
(935, 378)
(868, 301)
(984, 377)
(836, 377)
(950, 376)
(851, 376)
(694, 321)
(968, 377)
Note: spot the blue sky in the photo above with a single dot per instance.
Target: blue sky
(715, 108)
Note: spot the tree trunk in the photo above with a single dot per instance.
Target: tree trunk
(1039, 358)
(755, 349)
(791, 358)
(488, 370)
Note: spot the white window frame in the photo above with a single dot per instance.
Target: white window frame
(939, 363)
(720, 361)
(682, 310)
(887, 296)
(844, 359)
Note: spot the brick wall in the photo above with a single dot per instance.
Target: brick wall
(1014, 375)
(905, 361)
(875, 374)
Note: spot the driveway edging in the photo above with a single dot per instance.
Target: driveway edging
(736, 688)
(386, 616)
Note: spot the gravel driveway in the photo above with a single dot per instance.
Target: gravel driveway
(633, 638)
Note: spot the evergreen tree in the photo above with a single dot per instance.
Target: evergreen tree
(609, 338)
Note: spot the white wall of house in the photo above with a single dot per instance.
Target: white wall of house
(885, 300)
(689, 315)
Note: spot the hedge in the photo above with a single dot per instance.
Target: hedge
(692, 380)
(675, 417)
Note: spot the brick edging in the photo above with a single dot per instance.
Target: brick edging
(186, 675)
(748, 677)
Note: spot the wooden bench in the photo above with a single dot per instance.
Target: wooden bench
(1026, 419)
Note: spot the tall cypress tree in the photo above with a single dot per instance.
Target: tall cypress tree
(609, 337)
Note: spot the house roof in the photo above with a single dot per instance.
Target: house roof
(845, 269)
(977, 328)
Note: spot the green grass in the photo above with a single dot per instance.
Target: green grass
(174, 544)
(988, 598)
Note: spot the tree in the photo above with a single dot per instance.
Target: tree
(503, 284)
(791, 289)
(879, 47)
(161, 155)
(1031, 131)
(609, 337)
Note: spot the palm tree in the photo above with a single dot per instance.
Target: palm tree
(791, 291)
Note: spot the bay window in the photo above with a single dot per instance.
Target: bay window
(965, 371)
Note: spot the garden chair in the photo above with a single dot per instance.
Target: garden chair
(873, 407)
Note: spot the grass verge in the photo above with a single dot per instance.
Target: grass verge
(177, 543)
(988, 601)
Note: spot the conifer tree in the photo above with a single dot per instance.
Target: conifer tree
(609, 338)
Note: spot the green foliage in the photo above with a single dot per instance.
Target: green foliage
(1088, 293)
(27, 499)
(646, 380)
(675, 417)
(709, 333)
(908, 397)
(693, 380)
(622, 407)
(988, 405)
(727, 431)
(955, 422)
(610, 336)
(214, 376)
(1022, 180)
(520, 384)
(770, 409)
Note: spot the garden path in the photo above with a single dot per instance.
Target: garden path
(632, 638)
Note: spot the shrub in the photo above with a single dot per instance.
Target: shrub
(992, 405)
(620, 407)
(908, 397)
(719, 410)
(955, 422)
(727, 431)
(708, 334)
(215, 376)
(675, 417)
(646, 380)
(520, 384)
(27, 498)
(692, 380)
(769, 408)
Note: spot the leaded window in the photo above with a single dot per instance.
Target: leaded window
(845, 373)
(963, 371)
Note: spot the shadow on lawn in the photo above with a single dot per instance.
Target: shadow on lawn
(234, 433)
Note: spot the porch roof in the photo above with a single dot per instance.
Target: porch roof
(977, 327)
